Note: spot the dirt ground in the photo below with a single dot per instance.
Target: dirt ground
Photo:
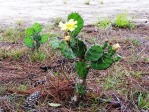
(55, 78)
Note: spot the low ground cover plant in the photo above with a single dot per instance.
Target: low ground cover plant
(103, 23)
(122, 20)
(99, 57)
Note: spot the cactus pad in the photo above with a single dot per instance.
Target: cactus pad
(78, 47)
(66, 50)
(94, 53)
(37, 27)
(29, 42)
(80, 23)
(103, 63)
(82, 70)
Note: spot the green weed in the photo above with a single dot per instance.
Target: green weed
(103, 23)
(38, 56)
(134, 41)
(12, 35)
(142, 100)
(17, 53)
(3, 53)
(19, 22)
(2, 89)
(22, 87)
(123, 21)
(146, 59)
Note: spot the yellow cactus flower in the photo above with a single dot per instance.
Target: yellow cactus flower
(67, 38)
(116, 47)
(68, 26)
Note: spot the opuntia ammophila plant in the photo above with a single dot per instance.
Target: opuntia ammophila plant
(99, 57)
(33, 38)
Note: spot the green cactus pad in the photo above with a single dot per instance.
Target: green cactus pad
(63, 44)
(37, 27)
(80, 23)
(66, 50)
(54, 42)
(103, 63)
(94, 53)
(81, 69)
(29, 42)
(44, 38)
(30, 32)
(78, 47)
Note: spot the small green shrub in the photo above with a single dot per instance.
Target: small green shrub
(17, 53)
(33, 37)
(19, 22)
(3, 53)
(123, 21)
(142, 100)
(12, 35)
(103, 23)
(22, 87)
(2, 89)
(135, 41)
(38, 56)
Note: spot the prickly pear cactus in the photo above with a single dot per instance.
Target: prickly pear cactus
(33, 38)
(99, 57)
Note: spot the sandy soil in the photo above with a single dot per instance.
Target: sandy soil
(46, 10)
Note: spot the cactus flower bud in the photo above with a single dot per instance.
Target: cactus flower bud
(67, 38)
(116, 47)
